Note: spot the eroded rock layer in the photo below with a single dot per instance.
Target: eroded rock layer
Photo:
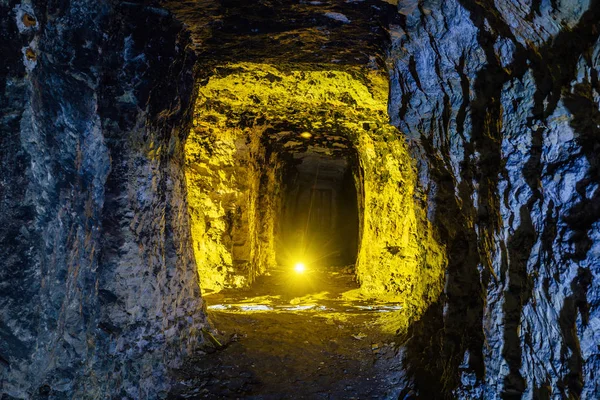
(234, 186)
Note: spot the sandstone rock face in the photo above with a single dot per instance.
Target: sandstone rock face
(99, 293)
(500, 102)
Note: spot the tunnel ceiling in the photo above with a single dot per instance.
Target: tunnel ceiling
(350, 32)
(303, 47)
(318, 111)
(326, 168)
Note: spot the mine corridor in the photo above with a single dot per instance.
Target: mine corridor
(303, 328)
(299, 199)
(290, 172)
(313, 248)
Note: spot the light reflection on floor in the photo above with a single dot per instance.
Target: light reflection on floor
(297, 336)
(321, 291)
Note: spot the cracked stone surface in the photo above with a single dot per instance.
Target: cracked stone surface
(99, 292)
(500, 102)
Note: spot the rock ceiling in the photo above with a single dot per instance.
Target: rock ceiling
(299, 111)
(279, 31)
(309, 36)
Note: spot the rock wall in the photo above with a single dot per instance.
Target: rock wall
(499, 101)
(399, 258)
(233, 185)
(501, 105)
(99, 294)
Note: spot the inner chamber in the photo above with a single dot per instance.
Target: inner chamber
(290, 164)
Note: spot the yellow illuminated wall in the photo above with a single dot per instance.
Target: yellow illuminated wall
(232, 221)
(399, 258)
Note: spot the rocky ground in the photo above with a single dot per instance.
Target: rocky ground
(296, 336)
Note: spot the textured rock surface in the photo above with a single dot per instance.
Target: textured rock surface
(276, 31)
(345, 111)
(99, 292)
(234, 184)
(500, 101)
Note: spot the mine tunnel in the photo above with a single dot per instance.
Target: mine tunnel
(298, 199)
(302, 206)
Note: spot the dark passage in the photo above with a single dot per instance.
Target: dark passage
(300, 199)
(309, 332)
(319, 221)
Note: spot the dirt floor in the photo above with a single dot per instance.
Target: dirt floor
(295, 336)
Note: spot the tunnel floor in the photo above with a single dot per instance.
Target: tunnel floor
(294, 336)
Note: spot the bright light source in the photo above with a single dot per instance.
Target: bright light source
(299, 267)
(305, 135)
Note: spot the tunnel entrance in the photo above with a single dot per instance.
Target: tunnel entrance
(319, 217)
(305, 212)
(298, 163)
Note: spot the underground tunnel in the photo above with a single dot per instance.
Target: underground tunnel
(333, 199)
(289, 170)
(319, 218)
(273, 155)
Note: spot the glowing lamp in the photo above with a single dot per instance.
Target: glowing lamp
(299, 267)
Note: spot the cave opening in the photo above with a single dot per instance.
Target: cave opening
(305, 212)
(309, 226)
(319, 219)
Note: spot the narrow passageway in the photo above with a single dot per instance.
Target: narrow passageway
(313, 249)
(319, 216)
(299, 199)
(296, 336)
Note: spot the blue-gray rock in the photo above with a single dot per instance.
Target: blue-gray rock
(500, 103)
(96, 264)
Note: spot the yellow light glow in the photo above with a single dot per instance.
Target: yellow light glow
(400, 259)
(300, 267)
